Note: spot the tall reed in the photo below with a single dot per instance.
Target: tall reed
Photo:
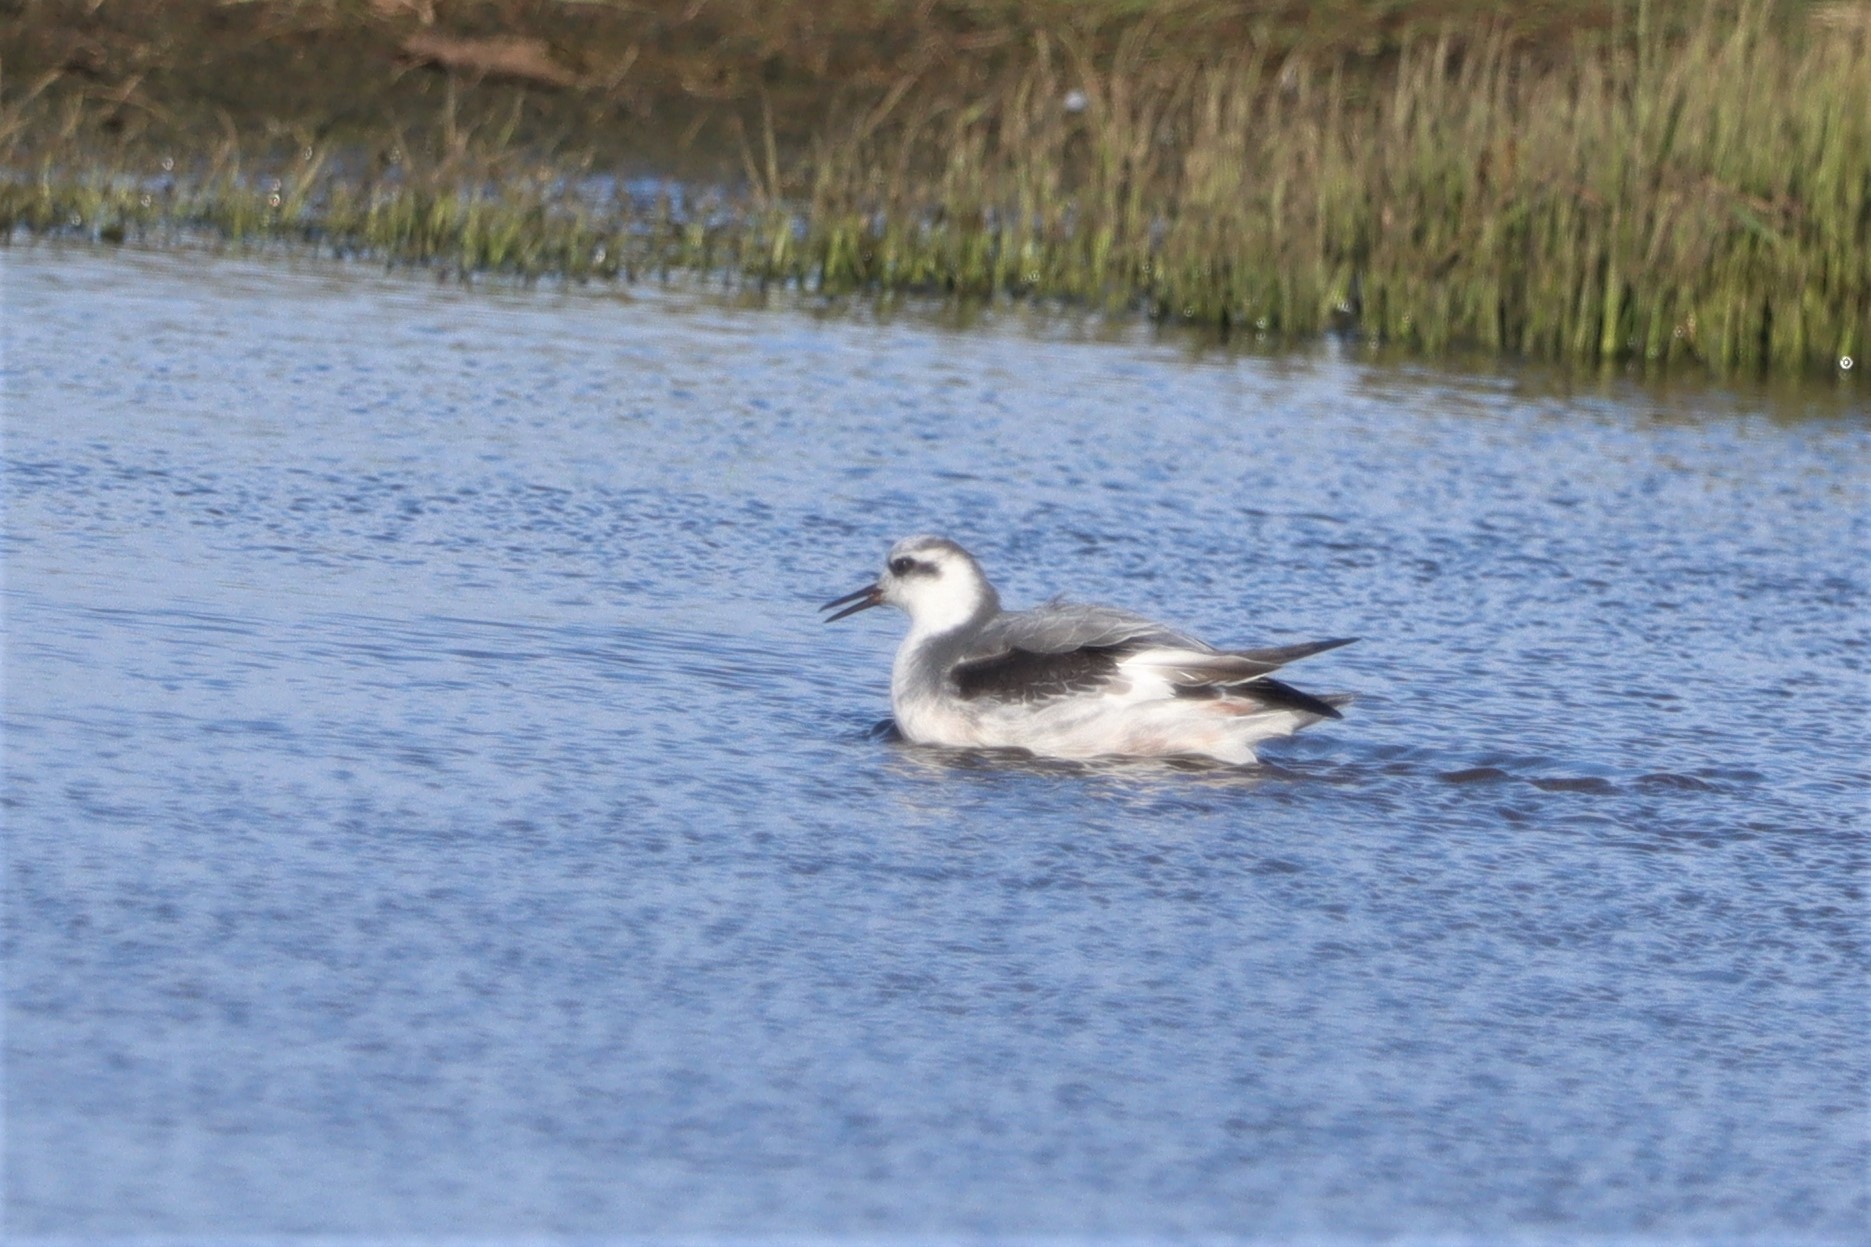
(1706, 199)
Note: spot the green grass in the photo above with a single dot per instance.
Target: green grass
(1699, 198)
(1707, 199)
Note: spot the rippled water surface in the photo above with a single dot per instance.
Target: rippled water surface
(433, 807)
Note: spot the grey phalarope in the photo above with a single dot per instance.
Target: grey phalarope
(1066, 680)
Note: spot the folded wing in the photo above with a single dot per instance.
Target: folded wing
(1064, 650)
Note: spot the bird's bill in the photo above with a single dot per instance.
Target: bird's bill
(867, 597)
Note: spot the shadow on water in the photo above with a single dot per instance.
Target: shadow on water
(931, 761)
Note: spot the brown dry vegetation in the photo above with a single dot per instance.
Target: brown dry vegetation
(662, 80)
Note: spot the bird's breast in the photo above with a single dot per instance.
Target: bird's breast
(927, 710)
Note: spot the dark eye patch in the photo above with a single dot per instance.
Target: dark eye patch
(906, 566)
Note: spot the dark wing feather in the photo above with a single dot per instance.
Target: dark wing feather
(1277, 696)
(1279, 655)
(1024, 676)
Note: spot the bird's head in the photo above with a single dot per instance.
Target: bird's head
(933, 581)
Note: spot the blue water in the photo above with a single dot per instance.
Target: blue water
(433, 808)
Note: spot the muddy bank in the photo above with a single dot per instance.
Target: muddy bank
(673, 84)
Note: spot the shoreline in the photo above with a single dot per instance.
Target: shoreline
(1450, 191)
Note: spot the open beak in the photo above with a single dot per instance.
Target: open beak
(865, 598)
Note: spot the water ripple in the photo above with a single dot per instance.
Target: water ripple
(434, 807)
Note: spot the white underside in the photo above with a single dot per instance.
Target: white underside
(1104, 728)
(1144, 719)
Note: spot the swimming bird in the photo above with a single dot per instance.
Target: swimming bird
(1067, 680)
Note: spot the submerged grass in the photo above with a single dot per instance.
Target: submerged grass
(1702, 196)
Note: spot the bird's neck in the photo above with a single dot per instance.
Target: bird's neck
(924, 658)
